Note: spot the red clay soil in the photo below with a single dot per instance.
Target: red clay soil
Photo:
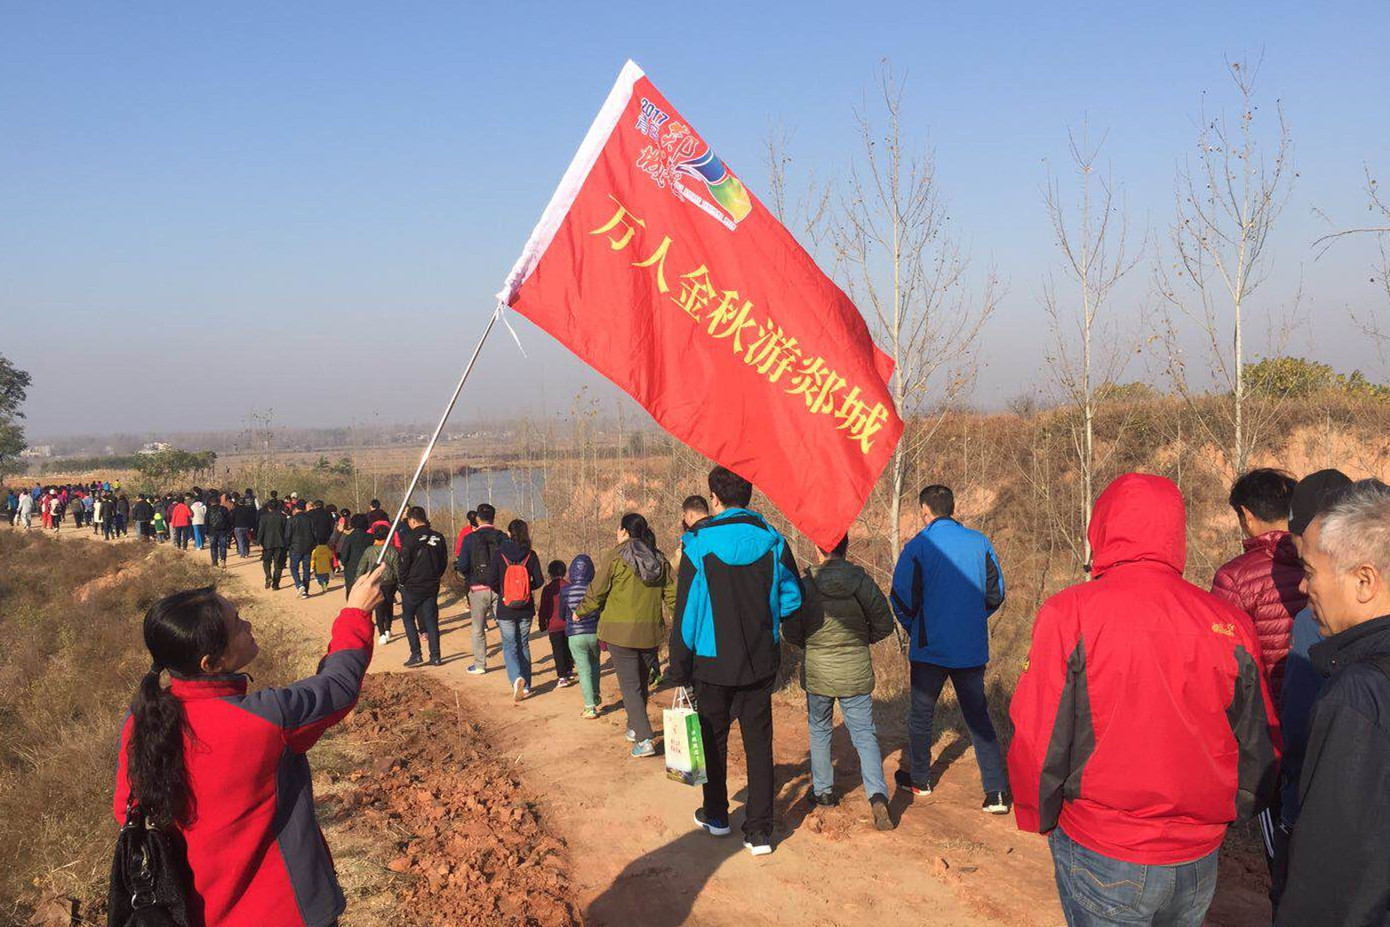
(464, 829)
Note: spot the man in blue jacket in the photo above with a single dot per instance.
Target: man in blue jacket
(737, 582)
(946, 585)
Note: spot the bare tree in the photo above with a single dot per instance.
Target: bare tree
(1379, 206)
(1227, 205)
(804, 214)
(1093, 236)
(898, 261)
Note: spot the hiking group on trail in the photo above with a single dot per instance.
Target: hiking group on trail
(1150, 714)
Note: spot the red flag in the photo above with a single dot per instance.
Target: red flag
(657, 266)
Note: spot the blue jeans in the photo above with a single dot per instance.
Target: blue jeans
(858, 711)
(969, 683)
(198, 537)
(1095, 889)
(420, 612)
(516, 648)
(219, 541)
(300, 566)
(243, 541)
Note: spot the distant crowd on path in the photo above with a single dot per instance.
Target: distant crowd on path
(1149, 716)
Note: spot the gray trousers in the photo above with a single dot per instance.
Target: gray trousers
(483, 605)
(634, 669)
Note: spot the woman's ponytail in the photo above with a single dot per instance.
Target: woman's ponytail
(180, 630)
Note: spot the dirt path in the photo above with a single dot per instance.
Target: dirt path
(637, 857)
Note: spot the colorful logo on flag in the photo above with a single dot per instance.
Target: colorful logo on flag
(685, 165)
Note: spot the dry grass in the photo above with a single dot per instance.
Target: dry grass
(72, 658)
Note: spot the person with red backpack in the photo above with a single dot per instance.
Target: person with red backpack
(515, 577)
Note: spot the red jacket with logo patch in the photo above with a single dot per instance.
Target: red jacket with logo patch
(1142, 722)
(1263, 583)
(254, 846)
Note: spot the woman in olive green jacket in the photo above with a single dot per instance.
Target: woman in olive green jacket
(633, 581)
(844, 613)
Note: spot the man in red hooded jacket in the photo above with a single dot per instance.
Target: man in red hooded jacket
(1142, 721)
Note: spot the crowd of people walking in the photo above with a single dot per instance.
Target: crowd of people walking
(1150, 714)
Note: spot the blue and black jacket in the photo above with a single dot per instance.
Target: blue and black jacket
(738, 580)
(946, 585)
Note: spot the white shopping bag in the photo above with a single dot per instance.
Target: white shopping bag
(685, 749)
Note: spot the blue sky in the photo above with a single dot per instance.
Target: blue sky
(306, 207)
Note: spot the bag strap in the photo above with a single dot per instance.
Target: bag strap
(681, 699)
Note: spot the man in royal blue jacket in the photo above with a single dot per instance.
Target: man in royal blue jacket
(737, 582)
(946, 585)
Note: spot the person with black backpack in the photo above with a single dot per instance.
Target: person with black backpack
(515, 576)
(222, 773)
(474, 564)
(423, 559)
(219, 529)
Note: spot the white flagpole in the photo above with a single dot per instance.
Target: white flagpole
(429, 448)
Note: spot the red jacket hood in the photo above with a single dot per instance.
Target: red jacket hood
(1139, 518)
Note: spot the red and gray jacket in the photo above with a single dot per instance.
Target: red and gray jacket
(1263, 583)
(254, 846)
(1142, 722)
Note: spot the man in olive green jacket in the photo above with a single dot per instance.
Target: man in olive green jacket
(845, 612)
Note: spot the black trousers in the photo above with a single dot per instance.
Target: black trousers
(564, 660)
(751, 707)
(424, 609)
(386, 610)
(273, 562)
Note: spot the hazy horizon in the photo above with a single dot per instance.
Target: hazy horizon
(308, 208)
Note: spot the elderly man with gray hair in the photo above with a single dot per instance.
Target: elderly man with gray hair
(1339, 858)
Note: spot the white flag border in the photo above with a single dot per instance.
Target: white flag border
(575, 175)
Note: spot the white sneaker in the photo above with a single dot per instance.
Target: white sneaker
(518, 689)
(758, 844)
(384, 638)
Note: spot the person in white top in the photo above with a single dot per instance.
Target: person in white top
(26, 509)
(200, 519)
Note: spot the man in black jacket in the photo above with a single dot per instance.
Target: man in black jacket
(1338, 870)
(243, 525)
(322, 521)
(424, 557)
(301, 539)
(142, 513)
(271, 531)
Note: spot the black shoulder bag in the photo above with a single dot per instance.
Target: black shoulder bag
(149, 875)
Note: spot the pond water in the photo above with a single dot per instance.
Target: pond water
(518, 492)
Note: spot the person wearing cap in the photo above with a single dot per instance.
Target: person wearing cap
(1302, 684)
(1338, 872)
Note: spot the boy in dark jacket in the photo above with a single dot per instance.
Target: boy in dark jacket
(552, 619)
(1338, 872)
(299, 537)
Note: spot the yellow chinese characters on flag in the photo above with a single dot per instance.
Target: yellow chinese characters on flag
(658, 267)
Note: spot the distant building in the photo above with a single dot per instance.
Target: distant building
(37, 450)
(155, 447)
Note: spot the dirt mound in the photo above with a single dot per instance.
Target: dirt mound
(466, 836)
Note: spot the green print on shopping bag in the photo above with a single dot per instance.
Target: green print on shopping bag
(685, 749)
